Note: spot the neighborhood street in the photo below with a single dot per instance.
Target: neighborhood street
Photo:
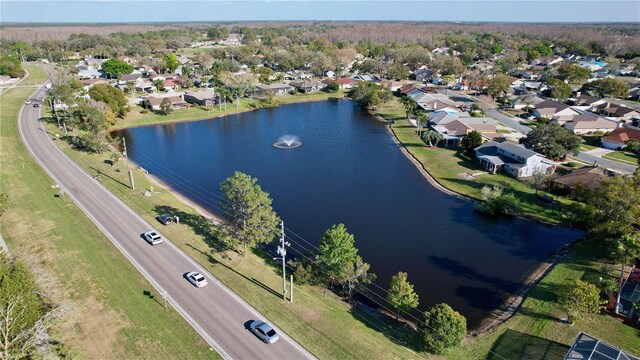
(605, 163)
(214, 311)
(513, 123)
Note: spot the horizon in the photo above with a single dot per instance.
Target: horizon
(59, 12)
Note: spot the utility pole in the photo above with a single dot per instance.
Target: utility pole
(282, 251)
(291, 291)
(126, 157)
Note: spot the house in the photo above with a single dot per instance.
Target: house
(344, 83)
(515, 159)
(392, 84)
(203, 97)
(130, 77)
(589, 177)
(422, 75)
(154, 102)
(589, 123)
(90, 74)
(629, 298)
(588, 347)
(144, 86)
(172, 84)
(618, 138)
(364, 77)
(443, 117)
(483, 65)
(440, 51)
(586, 100)
(277, 88)
(308, 85)
(455, 129)
(616, 110)
(592, 65)
(553, 110)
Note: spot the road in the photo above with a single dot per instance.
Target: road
(214, 311)
(605, 163)
(513, 123)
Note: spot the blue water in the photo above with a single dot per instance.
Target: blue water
(349, 170)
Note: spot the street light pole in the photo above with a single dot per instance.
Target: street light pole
(282, 251)
(126, 156)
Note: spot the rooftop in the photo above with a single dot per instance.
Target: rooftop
(588, 347)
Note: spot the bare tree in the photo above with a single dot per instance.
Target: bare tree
(240, 82)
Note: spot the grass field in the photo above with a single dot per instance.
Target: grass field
(622, 156)
(535, 332)
(446, 165)
(115, 313)
(324, 324)
(137, 118)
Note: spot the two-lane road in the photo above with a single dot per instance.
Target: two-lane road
(217, 313)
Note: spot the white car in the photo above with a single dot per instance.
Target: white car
(27, 102)
(196, 279)
(153, 237)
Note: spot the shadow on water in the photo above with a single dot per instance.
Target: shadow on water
(515, 345)
(456, 268)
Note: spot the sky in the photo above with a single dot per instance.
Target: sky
(110, 11)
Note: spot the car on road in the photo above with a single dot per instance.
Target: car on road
(264, 331)
(196, 279)
(153, 237)
(27, 102)
(36, 105)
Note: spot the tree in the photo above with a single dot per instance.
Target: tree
(112, 97)
(432, 137)
(471, 140)
(165, 106)
(217, 33)
(557, 89)
(580, 298)
(401, 295)
(627, 250)
(613, 209)
(370, 95)
(356, 275)
(11, 66)
(409, 105)
(336, 253)
(171, 62)
(247, 207)
(239, 83)
(498, 85)
(552, 140)
(332, 88)
(573, 73)
(442, 327)
(115, 67)
(538, 178)
(495, 201)
(607, 88)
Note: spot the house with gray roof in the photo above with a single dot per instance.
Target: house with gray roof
(515, 159)
(203, 97)
(308, 85)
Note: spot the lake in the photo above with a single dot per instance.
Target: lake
(349, 170)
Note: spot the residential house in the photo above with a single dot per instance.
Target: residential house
(308, 85)
(618, 138)
(365, 77)
(90, 74)
(454, 129)
(422, 75)
(144, 86)
(130, 77)
(443, 117)
(586, 100)
(154, 102)
(616, 110)
(392, 84)
(277, 88)
(203, 97)
(592, 65)
(589, 177)
(629, 298)
(172, 84)
(344, 83)
(589, 123)
(515, 159)
(554, 110)
(483, 65)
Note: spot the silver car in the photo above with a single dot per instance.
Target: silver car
(196, 279)
(153, 237)
(264, 331)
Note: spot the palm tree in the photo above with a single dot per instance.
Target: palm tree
(409, 104)
(430, 136)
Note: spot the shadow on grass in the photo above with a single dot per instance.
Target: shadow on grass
(202, 226)
(515, 345)
(148, 294)
(396, 331)
(100, 174)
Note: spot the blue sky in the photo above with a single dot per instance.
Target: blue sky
(106, 11)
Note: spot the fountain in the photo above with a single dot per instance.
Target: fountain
(287, 142)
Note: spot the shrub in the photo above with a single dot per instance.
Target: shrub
(495, 202)
(144, 111)
(572, 164)
(303, 273)
(443, 327)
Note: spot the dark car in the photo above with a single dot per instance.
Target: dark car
(36, 105)
(165, 219)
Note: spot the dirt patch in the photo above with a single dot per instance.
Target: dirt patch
(98, 329)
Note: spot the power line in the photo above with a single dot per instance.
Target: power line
(179, 179)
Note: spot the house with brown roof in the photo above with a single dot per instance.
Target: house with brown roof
(154, 102)
(589, 123)
(554, 110)
(618, 138)
(308, 85)
(589, 177)
(203, 97)
(616, 110)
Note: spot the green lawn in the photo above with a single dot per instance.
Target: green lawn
(535, 332)
(324, 324)
(623, 156)
(115, 313)
(446, 165)
(137, 118)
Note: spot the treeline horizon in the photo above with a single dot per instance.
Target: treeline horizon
(403, 32)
